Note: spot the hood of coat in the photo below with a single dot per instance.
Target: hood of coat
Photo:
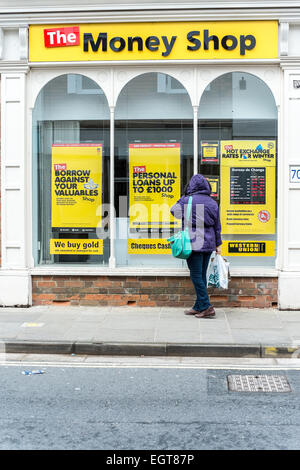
(198, 185)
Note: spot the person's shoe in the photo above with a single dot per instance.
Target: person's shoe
(208, 313)
(191, 311)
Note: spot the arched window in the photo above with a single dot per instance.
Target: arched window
(70, 171)
(237, 131)
(154, 146)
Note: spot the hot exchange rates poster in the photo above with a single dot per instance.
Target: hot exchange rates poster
(248, 185)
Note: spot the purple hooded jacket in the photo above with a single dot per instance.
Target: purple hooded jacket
(204, 222)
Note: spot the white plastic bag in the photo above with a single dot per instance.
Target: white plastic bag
(211, 273)
(218, 272)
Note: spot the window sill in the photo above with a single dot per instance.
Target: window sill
(102, 271)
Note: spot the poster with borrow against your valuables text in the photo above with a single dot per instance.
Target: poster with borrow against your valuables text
(76, 187)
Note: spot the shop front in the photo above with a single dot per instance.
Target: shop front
(103, 125)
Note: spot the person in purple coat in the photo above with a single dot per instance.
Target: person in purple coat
(205, 234)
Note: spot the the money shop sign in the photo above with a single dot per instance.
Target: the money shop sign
(153, 41)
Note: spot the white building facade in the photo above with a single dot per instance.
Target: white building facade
(237, 81)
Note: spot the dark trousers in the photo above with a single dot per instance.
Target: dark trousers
(198, 263)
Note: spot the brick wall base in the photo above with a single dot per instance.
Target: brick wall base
(149, 291)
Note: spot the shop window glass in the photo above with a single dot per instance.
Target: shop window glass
(153, 162)
(70, 172)
(237, 131)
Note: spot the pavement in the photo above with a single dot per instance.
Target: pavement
(149, 331)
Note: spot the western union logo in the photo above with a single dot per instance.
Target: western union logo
(248, 248)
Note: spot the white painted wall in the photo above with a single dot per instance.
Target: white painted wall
(289, 276)
(14, 290)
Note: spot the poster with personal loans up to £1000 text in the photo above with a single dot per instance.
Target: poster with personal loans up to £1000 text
(76, 186)
(154, 184)
(248, 186)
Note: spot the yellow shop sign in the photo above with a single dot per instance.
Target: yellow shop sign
(154, 41)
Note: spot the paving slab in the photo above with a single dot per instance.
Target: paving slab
(287, 316)
(273, 336)
(110, 334)
(177, 336)
(147, 330)
(211, 338)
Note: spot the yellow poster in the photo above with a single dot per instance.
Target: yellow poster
(214, 182)
(248, 248)
(76, 187)
(154, 185)
(248, 186)
(75, 246)
(209, 151)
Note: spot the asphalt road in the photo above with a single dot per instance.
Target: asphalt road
(142, 408)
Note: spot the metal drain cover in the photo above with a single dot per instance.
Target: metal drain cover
(258, 383)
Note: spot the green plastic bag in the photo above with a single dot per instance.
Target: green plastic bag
(180, 242)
